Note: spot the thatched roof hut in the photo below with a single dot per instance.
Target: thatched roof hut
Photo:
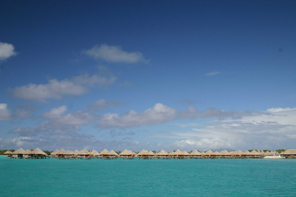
(150, 153)
(195, 153)
(112, 153)
(209, 153)
(54, 152)
(76, 152)
(225, 153)
(289, 153)
(162, 153)
(8, 153)
(38, 151)
(95, 153)
(19, 151)
(105, 152)
(142, 153)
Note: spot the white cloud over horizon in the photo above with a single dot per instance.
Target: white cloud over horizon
(56, 89)
(114, 54)
(275, 128)
(6, 51)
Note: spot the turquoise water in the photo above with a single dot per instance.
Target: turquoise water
(218, 177)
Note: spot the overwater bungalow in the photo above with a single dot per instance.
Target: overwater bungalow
(112, 154)
(178, 154)
(289, 153)
(210, 154)
(104, 154)
(217, 154)
(95, 154)
(186, 155)
(60, 154)
(195, 154)
(254, 154)
(54, 153)
(225, 154)
(75, 153)
(162, 154)
(127, 154)
(8, 154)
(19, 153)
(39, 154)
(151, 155)
(143, 154)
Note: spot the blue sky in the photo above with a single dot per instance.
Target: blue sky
(148, 74)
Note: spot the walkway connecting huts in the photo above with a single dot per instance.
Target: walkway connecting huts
(195, 154)
(289, 153)
(161, 154)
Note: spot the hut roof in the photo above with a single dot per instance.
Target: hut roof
(224, 153)
(150, 153)
(162, 152)
(112, 153)
(289, 152)
(62, 150)
(185, 153)
(85, 151)
(239, 152)
(126, 152)
(8, 153)
(209, 152)
(68, 152)
(76, 152)
(195, 152)
(142, 152)
(38, 151)
(81, 153)
(55, 152)
(104, 152)
(95, 153)
(178, 152)
(19, 151)
(60, 153)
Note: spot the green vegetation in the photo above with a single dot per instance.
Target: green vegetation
(280, 150)
(3, 151)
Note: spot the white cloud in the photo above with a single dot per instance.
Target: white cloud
(114, 54)
(6, 51)
(158, 114)
(102, 103)
(58, 116)
(275, 128)
(202, 144)
(212, 73)
(55, 89)
(4, 112)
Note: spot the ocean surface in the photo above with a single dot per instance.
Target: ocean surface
(190, 177)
